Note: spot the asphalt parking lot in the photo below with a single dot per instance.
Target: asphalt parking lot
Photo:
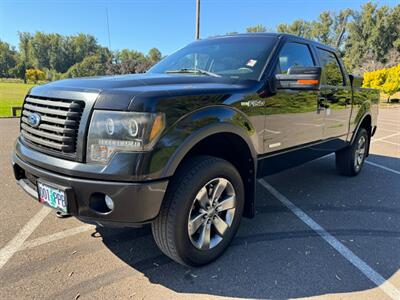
(316, 234)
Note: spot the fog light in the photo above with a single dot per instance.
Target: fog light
(109, 203)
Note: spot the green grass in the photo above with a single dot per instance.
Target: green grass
(12, 94)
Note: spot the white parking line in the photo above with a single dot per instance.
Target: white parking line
(388, 123)
(15, 244)
(388, 120)
(382, 167)
(385, 285)
(385, 137)
(387, 142)
(56, 236)
(80, 229)
(383, 129)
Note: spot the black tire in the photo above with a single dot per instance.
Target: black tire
(170, 229)
(346, 163)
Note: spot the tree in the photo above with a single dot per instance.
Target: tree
(321, 30)
(340, 27)
(369, 38)
(60, 56)
(154, 55)
(375, 79)
(126, 54)
(52, 51)
(40, 44)
(83, 46)
(93, 65)
(329, 28)
(90, 66)
(24, 46)
(8, 59)
(129, 66)
(386, 80)
(392, 82)
(131, 62)
(256, 28)
(298, 27)
(372, 34)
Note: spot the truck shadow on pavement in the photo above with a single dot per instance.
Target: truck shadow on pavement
(275, 255)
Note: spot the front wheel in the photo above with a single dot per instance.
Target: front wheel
(201, 212)
(349, 161)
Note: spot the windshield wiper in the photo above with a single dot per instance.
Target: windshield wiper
(194, 71)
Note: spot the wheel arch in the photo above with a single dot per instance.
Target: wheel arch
(226, 141)
(232, 147)
(365, 122)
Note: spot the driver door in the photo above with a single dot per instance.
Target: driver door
(292, 116)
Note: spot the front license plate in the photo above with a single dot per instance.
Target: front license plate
(52, 196)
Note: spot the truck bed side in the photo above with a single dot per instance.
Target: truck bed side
(364, 105)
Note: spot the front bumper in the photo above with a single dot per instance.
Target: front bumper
(134, 203)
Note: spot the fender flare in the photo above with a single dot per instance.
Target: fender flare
(367, 114)
(197, 136)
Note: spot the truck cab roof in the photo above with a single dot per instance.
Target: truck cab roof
(278, 35)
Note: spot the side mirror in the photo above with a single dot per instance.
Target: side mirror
(300, 78)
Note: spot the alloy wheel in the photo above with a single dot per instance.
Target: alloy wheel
(212, 213)
(360, 152)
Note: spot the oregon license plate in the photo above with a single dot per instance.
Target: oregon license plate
(52, 196)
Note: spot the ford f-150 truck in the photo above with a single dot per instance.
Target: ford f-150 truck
(181, 146)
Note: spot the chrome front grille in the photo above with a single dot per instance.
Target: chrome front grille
(58, 124)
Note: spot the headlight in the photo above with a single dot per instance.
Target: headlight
(112, 131)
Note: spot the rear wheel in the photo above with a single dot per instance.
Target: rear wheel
(349, 161)
(201, 212)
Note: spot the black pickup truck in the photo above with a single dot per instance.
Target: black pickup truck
(181, 146)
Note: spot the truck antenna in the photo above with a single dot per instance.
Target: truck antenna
(108, 29)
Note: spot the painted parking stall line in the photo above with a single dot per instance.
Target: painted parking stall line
(387, 142)
(387, 287)
(386, 137)
(56, 236)
(16, 243)
(367, 162)
(382, 167)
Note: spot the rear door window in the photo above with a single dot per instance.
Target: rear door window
(331, 71)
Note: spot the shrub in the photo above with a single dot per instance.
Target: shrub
(34, 75)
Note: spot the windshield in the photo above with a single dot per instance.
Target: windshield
(240, 57)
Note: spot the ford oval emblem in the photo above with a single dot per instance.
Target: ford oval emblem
(34, 120)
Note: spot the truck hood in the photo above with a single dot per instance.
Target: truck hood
(127, 92)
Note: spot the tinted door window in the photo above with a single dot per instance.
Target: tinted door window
(294, 54)
(331, 72)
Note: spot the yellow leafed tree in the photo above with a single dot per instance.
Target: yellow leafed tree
(385, 80)
(392, 82)
(34, 75)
